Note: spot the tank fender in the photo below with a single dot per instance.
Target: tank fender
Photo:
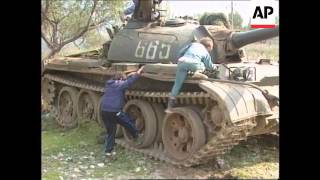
(238, 101)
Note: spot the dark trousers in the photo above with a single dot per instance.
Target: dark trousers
(110, 120)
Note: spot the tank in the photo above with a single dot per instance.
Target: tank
(216, 110)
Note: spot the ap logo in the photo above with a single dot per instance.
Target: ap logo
(263, 13)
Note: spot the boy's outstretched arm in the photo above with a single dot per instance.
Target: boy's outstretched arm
(131, 79)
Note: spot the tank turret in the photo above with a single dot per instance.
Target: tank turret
(229, 43)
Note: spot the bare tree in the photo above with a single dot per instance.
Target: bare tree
(63, 22)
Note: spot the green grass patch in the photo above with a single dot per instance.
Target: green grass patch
(253, 159)
(74, 153)
(263, 50)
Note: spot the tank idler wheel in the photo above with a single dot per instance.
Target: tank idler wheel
(67, 112)
(183, 133)
(145, 121)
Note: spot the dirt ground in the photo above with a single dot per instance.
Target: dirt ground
(75, 154)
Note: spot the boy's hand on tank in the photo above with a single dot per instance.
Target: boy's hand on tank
(140, 70)
(132, 73)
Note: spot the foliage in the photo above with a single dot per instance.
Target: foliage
(237, 20)
(63, 22)
(214, 19)
(277, 20)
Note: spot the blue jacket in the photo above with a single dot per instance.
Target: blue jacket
(114, 93)
(198, 54)
(131, 8)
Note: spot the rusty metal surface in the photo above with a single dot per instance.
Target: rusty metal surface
(145, 122)
(182, 133)
(87, 105)
(67, 107)
(241, 102)
(76, 62)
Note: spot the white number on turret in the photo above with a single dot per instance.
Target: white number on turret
(154, 49)
(139, 51)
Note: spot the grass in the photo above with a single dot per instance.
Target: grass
(71, 154)
(263, 50)
(254, 158)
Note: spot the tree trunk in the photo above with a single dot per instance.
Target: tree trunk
(53, 52)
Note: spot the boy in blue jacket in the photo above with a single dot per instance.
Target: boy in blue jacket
(194, 57)
(112, 104)
(130, 10)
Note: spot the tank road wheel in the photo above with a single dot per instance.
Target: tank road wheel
(159, 110)
(183, 133)
(48, 91)
(67, 113)
(87, 102)
(145, 121)
(100, 121)
(99, 115)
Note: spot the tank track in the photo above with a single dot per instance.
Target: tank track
(219, 143)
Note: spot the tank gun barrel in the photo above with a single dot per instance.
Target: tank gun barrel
(240, 39)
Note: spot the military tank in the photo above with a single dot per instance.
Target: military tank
(216, 110)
